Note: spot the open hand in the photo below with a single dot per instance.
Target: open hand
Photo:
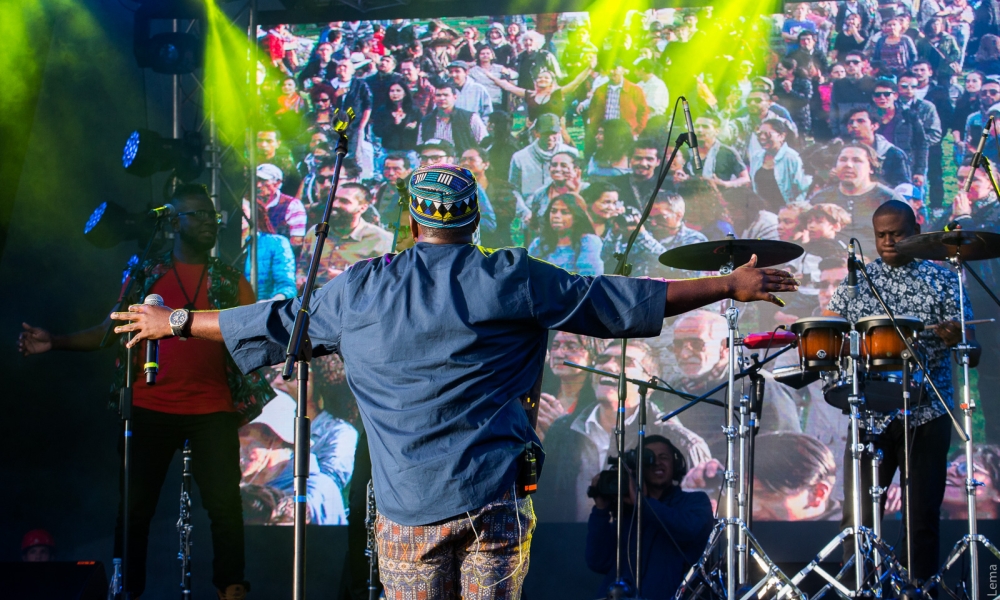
(750, 284)
(146, 323)
(33, 340)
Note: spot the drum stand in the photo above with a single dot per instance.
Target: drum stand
(868, 544)
(970, 541)
(740, 544)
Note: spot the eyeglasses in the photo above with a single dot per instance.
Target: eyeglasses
(203, 215)
(990, 92)
(852, 62)
(322, 99)
(324, 178)
(430, 157)
(907, 86)
(881, 94)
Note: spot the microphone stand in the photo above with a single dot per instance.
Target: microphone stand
(619, 589)
(298, 355)
(125, 409)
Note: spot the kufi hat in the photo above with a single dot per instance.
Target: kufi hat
(443, 196)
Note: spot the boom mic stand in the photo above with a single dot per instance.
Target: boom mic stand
(298, 355)
(618, 589)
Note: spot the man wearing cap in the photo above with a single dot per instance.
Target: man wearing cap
(529, 166)
(287, 214)
(472, 96)
(441, 344)
(618, 99)
(459, 127)
(913, 196)
(37, 546)
(440, 152)
(504, 54)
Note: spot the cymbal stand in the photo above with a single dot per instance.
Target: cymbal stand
(969, 541)
(740, 544)
(867, 542)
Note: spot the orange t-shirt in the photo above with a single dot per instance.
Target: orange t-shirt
(192, 373)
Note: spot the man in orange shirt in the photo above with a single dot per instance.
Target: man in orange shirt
(618, 99)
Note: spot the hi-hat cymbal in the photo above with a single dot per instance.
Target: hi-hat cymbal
(712, 256)
(942, 245)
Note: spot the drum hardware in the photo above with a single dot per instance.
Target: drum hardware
(869, 548)
(957, 247)
(740, 544)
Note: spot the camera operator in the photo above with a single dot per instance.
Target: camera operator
(676, 524)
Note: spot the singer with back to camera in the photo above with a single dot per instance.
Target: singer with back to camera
(929, 292)
(199, 395)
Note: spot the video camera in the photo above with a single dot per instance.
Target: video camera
(607, 482)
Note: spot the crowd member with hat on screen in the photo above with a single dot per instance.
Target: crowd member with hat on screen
(286, 213)
(442, 344)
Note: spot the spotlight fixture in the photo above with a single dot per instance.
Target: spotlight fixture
(147, 152)
(172, 52)
(110, 224)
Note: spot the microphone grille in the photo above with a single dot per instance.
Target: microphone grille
(153, 300)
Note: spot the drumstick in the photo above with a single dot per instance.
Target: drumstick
(972, 322)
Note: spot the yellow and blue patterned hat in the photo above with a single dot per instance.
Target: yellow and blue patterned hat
(443, 196)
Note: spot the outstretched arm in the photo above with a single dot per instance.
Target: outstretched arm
(152, 323)
(745, 284)
(35, 340)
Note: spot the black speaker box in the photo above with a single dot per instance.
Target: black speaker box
(81, 580)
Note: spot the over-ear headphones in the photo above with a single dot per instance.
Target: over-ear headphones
(680, 466)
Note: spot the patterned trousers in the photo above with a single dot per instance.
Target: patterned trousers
(481, 555)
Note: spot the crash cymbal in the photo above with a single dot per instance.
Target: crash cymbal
(942, 245)
(712, 256)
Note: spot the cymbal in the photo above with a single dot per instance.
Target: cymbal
(712, 256)
(942, 245)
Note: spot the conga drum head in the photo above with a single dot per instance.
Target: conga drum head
(821, 342)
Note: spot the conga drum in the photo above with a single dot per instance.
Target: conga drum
(881, 347)
(821, 342)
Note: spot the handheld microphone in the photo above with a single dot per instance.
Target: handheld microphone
(342, 119)
(152, 365)
(167, 210)
(978, 156)
(852, 273)
(692, 137)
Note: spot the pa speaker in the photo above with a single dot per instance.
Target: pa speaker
(82, 580)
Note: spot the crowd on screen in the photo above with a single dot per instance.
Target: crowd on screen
(850, 104)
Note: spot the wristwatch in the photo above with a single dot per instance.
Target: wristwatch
(180, 319)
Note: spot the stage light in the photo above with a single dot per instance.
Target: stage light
(147, 152)
(172, 53)
(110, 224)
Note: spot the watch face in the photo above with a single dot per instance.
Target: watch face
(178, 318)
